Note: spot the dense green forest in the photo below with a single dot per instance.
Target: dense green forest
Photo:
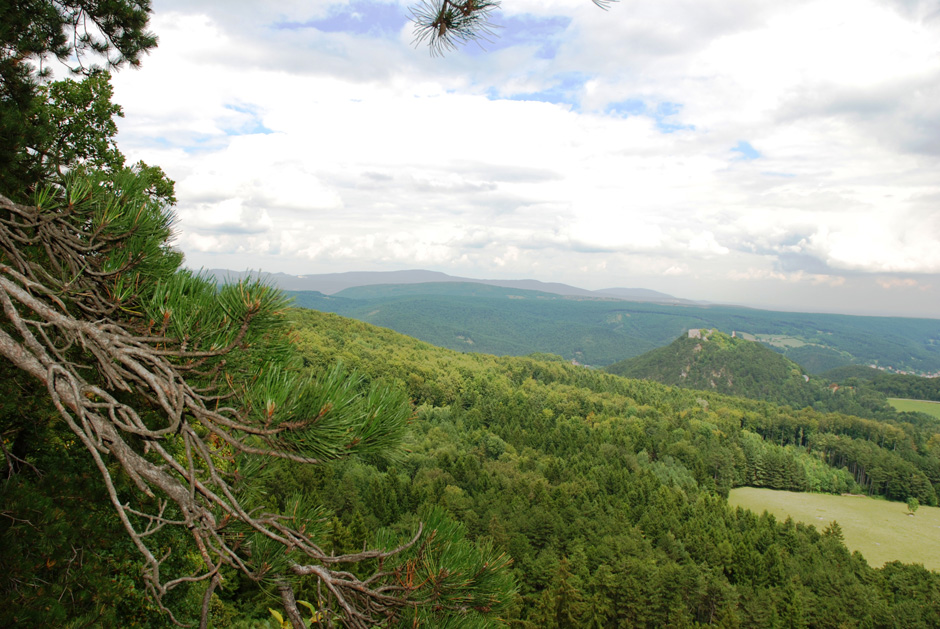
(600, 332)
(606, 493)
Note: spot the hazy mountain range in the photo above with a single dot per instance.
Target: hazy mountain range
(332, 283)
(598, 328)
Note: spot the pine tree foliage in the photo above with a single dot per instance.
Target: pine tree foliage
(445, 25)
(184, 387)
(186, 390)
(183, 395)
(88, 36)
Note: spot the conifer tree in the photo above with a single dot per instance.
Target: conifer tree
(87, 36)
(179, 392)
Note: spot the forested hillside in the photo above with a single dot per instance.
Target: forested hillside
(714, 361)
(608, 493)
(600, 332)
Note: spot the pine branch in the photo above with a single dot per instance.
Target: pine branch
(130, 397)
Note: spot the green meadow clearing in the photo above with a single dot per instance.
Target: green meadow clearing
(881, 530)
(921, 406)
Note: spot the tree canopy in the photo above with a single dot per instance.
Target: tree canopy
(183, 395)
(88, 37)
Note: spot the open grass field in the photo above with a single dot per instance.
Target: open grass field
(921, 406)
(881, 530)
(778, 340)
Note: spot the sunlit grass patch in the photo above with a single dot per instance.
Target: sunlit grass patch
(919, 406)
(882, 531)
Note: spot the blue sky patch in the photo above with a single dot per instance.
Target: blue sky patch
(252, 126)
(203, 144)
(565, 90)
(664, 116)
(359, 17)
(664, 113)
(627, 108)
(745, 151)
(523, 30)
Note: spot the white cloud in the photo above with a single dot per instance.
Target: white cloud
(307, 150)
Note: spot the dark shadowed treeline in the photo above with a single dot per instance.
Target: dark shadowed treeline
(890, 384)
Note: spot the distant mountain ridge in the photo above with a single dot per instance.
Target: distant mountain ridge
(600, 331)
(332, 283)
(599, 328)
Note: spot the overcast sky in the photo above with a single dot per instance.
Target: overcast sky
(777, 154)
